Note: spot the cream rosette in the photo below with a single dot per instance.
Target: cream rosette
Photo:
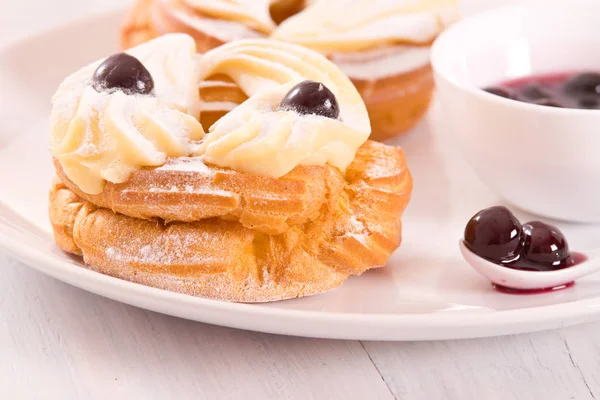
(258, 137)
(100, 136)
(356, 25)
(252, 13)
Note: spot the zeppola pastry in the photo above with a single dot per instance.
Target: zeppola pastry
(382, 45)
(282, 197)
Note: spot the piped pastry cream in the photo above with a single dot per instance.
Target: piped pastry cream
(358, 25)
(99, 134)
(263, 138)
(252, 13)
(210, 22)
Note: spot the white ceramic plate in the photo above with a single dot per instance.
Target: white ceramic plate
(426, 292)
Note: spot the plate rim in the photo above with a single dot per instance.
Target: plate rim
(406, 327)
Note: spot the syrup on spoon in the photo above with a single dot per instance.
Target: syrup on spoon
(525, 259)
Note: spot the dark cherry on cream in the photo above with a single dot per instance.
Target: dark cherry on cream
(563, 90)
(497, 235)
(123, 72)
(311, 98)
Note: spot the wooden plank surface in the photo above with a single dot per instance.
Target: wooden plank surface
(523, 367)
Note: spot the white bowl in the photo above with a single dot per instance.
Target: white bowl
(542, 159)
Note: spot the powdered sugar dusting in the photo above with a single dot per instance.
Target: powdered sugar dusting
(356, 229)
(355, 225)
(191, 189)
(187, 164)
(90, 127)
(217, 105)
(166, 249)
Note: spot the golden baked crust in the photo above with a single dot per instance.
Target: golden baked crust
(396, 103)
(224, 260)
(177, 192)
(283, 9)
(218, 88)
(138, 27)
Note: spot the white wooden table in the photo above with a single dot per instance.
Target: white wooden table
(58, 342)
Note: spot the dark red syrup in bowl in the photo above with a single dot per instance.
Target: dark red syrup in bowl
(563, 90)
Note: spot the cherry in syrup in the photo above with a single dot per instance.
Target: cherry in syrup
(497, 235)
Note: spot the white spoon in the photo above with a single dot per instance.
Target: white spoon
(531, 280)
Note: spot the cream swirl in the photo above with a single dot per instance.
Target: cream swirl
(99, 136)
(367, 24)
(258, 138)
(252, 13)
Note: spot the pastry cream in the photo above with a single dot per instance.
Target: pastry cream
(252, 13)
(382, 62)
(258, 138)
(356, 25)
(99, 136)
(168, 18)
